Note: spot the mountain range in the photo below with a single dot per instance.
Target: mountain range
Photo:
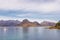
(25, 23)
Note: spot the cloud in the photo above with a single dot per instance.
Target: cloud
(10, 18)
(22, 15)
(21, 19)
(31, 5)
(21, 9)
(5, 18)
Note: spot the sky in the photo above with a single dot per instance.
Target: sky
(30, 9)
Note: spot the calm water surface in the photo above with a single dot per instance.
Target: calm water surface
(31, 33)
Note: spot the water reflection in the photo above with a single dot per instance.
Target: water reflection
(5, 29)
(30, 33)
(25, 33)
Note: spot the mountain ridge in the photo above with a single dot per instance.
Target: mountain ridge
(25, 23)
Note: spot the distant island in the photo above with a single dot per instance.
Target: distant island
(25, 23)
(57, 26)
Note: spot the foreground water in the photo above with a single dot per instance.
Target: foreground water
(31, 33)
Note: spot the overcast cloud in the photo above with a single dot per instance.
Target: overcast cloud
(49, 9)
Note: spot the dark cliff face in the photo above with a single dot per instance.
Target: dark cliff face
(47, 23)
(27, 23)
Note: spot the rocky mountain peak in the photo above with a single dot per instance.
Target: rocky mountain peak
(25, 20)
